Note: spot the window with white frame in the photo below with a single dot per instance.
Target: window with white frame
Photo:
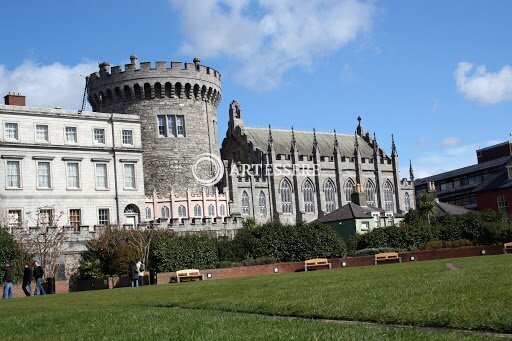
(43, 175)
(262, 204)
(211, 210)
(502, 205)
(182, 211)
(171, 125)
(101, 176)
(389, 219)
(222, 210)
(129, 176)
(11, 131)
(330, 200)
(245, 203)
(127, 137)
(509, 170)
(286, 196)
(42, 133)
(365, 226)
(73, 174)
(388, 196)
(376, 218)
(15, 218)
(13, 174)
(148, 213)
(309, 197)
(165, 212)
(104, 216)
(99, 135)
(197, 211)
(71, 135)
(45, 217)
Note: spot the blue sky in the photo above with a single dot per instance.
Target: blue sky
(436, 74)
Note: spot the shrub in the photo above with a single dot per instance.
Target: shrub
(445, 244)
(90, 269)
(258, 261)
(171, 253)
(11, 251)
(287, 243)
(373, 251)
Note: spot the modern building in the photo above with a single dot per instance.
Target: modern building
(484, 185)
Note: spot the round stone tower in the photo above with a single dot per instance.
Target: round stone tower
(177, 103)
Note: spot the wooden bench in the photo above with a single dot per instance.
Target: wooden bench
(316, 263)
(387, 256)
(188, 275)
(507, 247)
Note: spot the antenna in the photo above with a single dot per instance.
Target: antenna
(85, 94)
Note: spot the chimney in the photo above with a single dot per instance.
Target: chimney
(14, 99)
(358, 196)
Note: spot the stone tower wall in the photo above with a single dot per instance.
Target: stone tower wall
(187, 89)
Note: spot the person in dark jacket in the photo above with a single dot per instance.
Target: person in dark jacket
(27, 280)
(7, 281)
(133, 274)
(38, 275)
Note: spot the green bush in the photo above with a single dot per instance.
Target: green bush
(445, 244)
(11, 251)
(90, 268)
(171, 253)
(287, 243)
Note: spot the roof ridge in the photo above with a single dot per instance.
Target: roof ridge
(300, 131)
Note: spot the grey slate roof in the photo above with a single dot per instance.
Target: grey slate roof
(350, 211)
(443, 208)
(304, 141)
(498, 181)
(465, 170)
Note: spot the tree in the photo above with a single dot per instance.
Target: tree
(11, 251)
(427, 205)
(41, 237)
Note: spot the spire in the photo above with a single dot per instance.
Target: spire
(375, 144)
(335, 140)
(359, 130)
(293, 140)
(356, 143)
(315, 142)
(270, 138)
(411, 172)
(393, 146)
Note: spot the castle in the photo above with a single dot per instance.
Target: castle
(130, 161)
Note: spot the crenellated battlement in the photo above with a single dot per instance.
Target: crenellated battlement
(113, 85)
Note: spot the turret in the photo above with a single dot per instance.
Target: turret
(177, 103)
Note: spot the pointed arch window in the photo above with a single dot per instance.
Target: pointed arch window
(388, 196)
(407, 202)
(197, 211)
(348, 188)
(286, 196)
(309, 197)
(245, 203)
(262, 204)
(211, 210)
(165, 212)
(330, 201)
(222, 210)
(369, 190)
(182, 211)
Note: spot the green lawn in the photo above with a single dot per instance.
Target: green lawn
(477, 296)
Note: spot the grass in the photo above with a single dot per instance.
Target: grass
(413, 294)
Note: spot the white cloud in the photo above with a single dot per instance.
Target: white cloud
(269, 37)
(447, 159)
(450, 141)
(484, 86)
(47, 85)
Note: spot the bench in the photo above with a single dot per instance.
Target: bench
(188, 275)
(316, 264)
(387, 256)
(507, 247)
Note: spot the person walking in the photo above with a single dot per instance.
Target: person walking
(140, 271)
(133, 274)
(27, 280)
(38, 275)
(7, 281)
